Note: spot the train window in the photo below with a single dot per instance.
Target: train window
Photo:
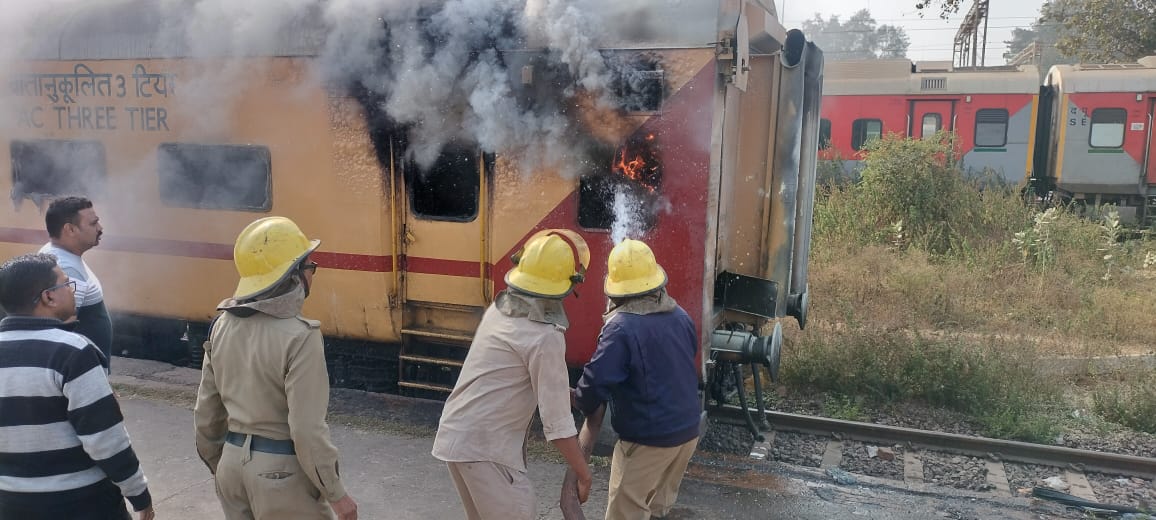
(596, 201)
(50, 167)
(931, 124)
(614, 198)
(641, 84)
(447, 190)
(208, 176)
(1108, 127)
(990, 128)
(824, 134)
(864, 130)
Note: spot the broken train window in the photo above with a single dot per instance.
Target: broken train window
(448, 189)
(621, 189)
(47, 167)
(225, 177)
(640, 84)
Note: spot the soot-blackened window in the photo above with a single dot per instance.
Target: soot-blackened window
(448, 190)
(641, 85)
(596, 201)
(53, 168)
(621, 188)
(227, 177)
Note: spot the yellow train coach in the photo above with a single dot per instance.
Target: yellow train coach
(422, 145)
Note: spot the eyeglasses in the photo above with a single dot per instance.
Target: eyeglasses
(70, 283)
(311, 266)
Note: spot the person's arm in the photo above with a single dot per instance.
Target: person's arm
(307, 392)
(209, 415)
(577, 461)
(609, 366)
(96, 417)
(546, 363)
(573, 494)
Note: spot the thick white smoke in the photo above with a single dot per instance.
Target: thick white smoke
(439, 71)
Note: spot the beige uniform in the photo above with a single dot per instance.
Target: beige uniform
(514, 365)
(265, 375)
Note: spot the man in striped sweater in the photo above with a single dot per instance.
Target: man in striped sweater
(64, 450)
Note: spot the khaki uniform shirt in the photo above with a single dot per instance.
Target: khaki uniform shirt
(514, 366)
(265, 375)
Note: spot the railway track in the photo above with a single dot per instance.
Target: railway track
(1000, 467)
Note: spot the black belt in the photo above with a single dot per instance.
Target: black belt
(261, 444)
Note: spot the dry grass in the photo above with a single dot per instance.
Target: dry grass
(882, 289)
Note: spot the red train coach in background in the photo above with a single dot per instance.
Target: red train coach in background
(1096, 144)
(990, 109)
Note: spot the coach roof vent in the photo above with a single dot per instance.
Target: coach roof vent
(933, 84)
(934, 66)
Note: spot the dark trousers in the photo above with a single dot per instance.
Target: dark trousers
(108, 504)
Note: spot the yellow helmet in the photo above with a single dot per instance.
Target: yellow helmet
(632, 270)
(266, 252)
(550, 263)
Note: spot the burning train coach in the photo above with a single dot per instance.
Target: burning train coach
(690, 125)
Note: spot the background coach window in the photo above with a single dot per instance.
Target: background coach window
(228, 177)
(55, 168)
(448, 190)
(864, 130)
(1108, 128)
(824, 134)
(932, 123)
(991, 128)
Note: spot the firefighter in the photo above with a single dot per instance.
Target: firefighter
(515, 364)
(644, 366)
(264, 394)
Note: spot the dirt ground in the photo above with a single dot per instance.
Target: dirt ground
(385, 443)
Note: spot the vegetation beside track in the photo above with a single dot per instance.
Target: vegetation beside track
(947, 287)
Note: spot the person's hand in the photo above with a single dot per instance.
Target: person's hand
(585, 481)
(146, 513)
(345, 508)
(574, 398)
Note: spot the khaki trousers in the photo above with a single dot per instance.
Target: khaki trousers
(253, 485)
(492, 491)
(644, 480)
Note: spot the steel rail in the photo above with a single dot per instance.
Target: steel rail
(1012, 451)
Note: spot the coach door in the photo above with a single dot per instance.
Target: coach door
(930, 116)
(446, 267)
(1150, 152)
(1149, 163)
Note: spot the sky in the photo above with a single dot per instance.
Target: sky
(931, 37)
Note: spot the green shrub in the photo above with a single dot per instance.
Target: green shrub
(1132, 404)
(843, 407)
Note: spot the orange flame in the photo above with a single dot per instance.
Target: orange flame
(635, 168)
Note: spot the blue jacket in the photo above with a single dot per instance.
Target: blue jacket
(645, 367)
